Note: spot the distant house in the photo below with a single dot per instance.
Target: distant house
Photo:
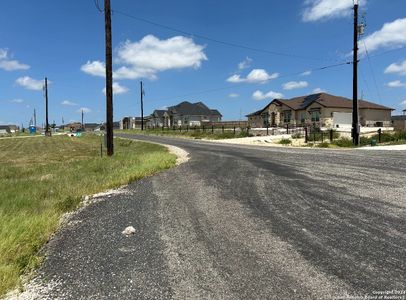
(6, 129)
(399, 122)
(184, 114)
(320, 109)
(131, 122)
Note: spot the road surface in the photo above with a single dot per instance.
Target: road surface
(241, 222)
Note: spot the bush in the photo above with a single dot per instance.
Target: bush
(324, 145)
(297, 135)
(343, 142)
(285, 142)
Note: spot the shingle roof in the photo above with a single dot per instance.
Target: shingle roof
(192, 109)
(215, 112)
(327, 100)
(159, 113)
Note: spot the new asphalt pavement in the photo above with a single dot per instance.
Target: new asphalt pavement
(240, 222)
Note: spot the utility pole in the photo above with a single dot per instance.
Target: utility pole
(109, 80)
(142, 106)
(83, 125)
(47, 131)
(35, 118)
(355, 123)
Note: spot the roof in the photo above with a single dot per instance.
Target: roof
(192, 109)
(327, 100)
(215, 112)
(255, 113)
(158, 113)
(400, 117)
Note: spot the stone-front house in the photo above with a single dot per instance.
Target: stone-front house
(184, 114)
(399, 122)
(320, 109)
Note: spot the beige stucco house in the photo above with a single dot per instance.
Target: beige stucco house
(320, 109)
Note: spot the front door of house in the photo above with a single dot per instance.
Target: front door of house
(273, 117)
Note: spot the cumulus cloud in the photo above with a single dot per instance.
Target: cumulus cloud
(391, 35)
(149, 56)
(68, 103)
(306, 73)
(255, 76)
(291, 85)
(259, 95)
(233, 95)
(396, 84)
(9, 64)
(397, 68)
(318, 91)
(95, 68)
(326, 9)
(30, 83)
(85, 110)
(117, 89)
(245, 64)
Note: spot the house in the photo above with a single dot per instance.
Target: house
(399, 122)
(6, 129)
(131, 122)
(184, 114)
(320, 109)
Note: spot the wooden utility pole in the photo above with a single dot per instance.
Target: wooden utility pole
(142, 106)
(355, 123)
(83, 125)
(47, 131)
(35, 118)
(109, 80)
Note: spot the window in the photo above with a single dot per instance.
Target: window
(287, 116)
(315, 116)
(302, 117)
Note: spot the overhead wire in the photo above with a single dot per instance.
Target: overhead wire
(372, 72)
(218, 41)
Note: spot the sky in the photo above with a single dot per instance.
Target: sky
(235, 56)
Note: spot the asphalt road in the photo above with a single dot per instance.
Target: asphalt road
(240, 222)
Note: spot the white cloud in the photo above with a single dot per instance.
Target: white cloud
(318, 91)
(117, 89)
(3, 53)
(391, 35)
(233, 95)
(294, 85)
(84, 109)
(30, 83)
(306, 73)
(397, 68)
(95, 68)
(9, 64)
(12, 65)
(17, 101)
(259, 95)
(245, 64)
(327, 9)
(151, 55)
(255, 76)
(396, 84)
(68, 103)
(403, 103)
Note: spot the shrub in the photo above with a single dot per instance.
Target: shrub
(297, 135)
(343, 142)
(285, 142)
(324, 145)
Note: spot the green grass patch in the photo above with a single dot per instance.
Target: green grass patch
(41, 178)
(199, 133)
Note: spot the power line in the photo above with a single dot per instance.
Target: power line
(213, 90)
(226, 43)
(372, 72)
(96, 3)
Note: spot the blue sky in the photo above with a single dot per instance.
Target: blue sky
(281, 47)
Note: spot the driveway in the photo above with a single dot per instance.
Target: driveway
(240, 222)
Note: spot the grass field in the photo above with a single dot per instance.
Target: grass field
(42, 178)
(217, 134)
